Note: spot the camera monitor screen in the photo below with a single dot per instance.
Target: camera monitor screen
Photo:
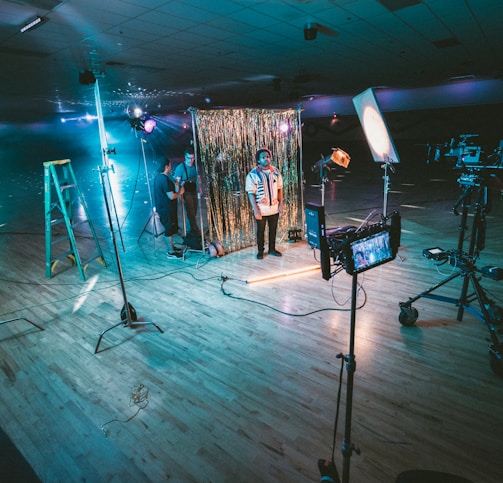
(375, 128)
(369, 252)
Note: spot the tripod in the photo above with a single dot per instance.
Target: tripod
(474, 189)
(151, 224)
(327, 468)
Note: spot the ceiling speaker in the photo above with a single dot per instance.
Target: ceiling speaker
(310, 31)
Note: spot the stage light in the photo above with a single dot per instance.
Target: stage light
(34, 23)
(284, 127)
(149, 125)
(144, 123)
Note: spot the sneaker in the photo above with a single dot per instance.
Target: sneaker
(260, 255)
(275, 253)
(175, 254)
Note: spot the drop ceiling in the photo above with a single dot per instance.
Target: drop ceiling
(168, 56)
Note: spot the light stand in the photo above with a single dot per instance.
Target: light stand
(355, 250)
(487, 312)
(198, 184)
(347, 446)
(323, 176)
(387, 165)
(324, 165)
(128, 314)
(328, 469)
(151, 221)
(377, 134)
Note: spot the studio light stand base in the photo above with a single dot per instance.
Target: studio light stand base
(126, 323)
(151, 228)
(21, 318)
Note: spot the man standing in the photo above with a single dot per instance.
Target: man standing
(186, 173)
(166, 193)
(264, 185)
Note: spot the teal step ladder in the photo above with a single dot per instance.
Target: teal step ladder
(61, 191)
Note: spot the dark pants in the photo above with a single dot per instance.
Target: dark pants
(190, 202)
(170, 222)
(272, 221)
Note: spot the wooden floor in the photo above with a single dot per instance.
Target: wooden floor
(242, 384)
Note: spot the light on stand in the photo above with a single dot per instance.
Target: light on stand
(327, 164)
(146, 125)
(149, 125)
(143, 123)
(128, 314)
(378, 137)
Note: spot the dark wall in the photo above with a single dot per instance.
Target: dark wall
(24, 147)
(411, 131)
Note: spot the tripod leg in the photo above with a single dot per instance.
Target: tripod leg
(491, 315)
(462, 298)
(408, 314)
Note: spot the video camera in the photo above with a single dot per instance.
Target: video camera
(467, 156)
(354, 249)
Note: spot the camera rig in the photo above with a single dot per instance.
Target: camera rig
(357, 249)
(466, 155)
(354, 250)
(475, 178)
(351, 248)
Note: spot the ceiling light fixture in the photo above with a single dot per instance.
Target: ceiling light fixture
(34, 23)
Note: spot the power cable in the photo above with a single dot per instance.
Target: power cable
(138, 398)
(224, 279)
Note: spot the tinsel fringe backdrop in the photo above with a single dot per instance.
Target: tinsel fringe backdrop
(226, 142)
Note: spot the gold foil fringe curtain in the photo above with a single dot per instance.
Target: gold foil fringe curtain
(227, 141)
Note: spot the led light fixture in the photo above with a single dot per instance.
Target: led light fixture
(31, 25)
(375, 128)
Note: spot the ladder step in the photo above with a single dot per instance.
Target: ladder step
(69, 254)
(80, 222)
(59, 239)
(96, 257)
(67, 186)
(57, 221)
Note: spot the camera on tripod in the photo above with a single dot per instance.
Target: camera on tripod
(466, 155)
(354, 249)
